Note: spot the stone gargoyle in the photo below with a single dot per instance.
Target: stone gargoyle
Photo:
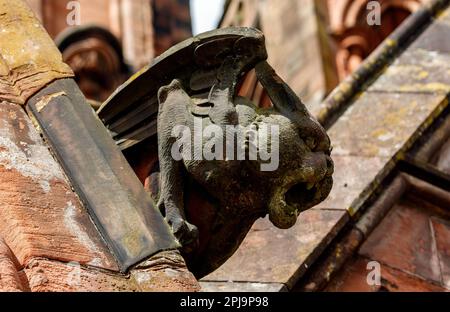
(211, 191)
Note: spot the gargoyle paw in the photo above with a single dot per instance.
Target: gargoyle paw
(186, 233)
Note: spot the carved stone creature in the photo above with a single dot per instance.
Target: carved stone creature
(237, 191)
(212, 202)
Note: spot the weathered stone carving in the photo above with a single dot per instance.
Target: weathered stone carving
(212, 204)
(241, 191)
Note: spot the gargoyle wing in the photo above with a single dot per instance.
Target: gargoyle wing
(130, 113)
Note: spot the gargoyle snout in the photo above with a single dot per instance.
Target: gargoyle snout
(302, 189)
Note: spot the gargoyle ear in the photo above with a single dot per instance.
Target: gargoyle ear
(162, 94)
(164, 91)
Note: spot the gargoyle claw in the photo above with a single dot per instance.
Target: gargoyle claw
(186, 233)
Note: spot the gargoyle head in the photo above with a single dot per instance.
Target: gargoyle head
(300, 165)
(303, 177)
(290, 173)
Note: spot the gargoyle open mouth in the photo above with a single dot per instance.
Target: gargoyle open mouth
(301, 194)
(288, 202)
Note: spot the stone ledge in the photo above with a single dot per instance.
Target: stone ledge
(271, 255)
